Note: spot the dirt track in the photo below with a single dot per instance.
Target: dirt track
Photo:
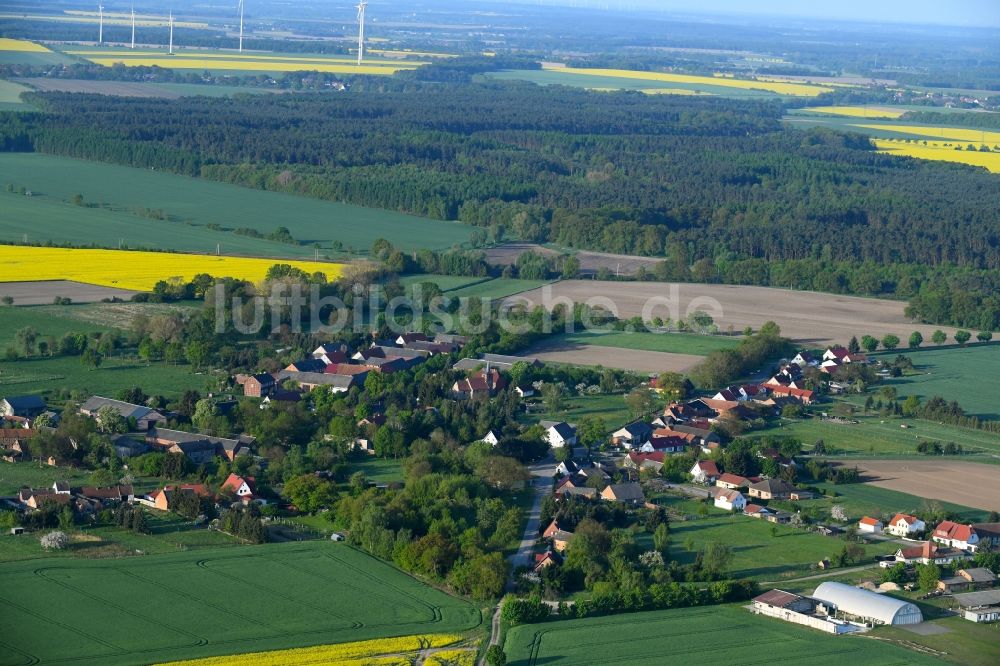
(965, 483)
(611, 357)
(808, 317)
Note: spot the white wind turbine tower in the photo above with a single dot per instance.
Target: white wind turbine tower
(241, 26)
(170, 49)
(133, 26)
(100, 23)
(362, 5)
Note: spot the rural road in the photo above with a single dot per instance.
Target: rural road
(541, 483)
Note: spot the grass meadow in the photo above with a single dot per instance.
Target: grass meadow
(757, 554)
(10, 97)
(497, 288)
(676, 343)
(209, 602)
(609, 406)
(718, 634)
(873, 435)
(45, 375)
(117, 192)
(863, 499)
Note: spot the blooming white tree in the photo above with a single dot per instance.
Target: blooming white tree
(837, 512)
(55, 541)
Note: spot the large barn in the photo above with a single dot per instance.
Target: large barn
(870, 607)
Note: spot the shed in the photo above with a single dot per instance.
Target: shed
(870, 607)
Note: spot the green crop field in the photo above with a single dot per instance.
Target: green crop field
(445, 283)
(40, 375)
(498, 288)
(212, 602)
(677, 343)
(970, 375)
(881, 436)
(548, 77)
(14, 476)
(863, 499)
(54, 181)
(35, 58)
(10, 97)
(719, 634)
(757, 554)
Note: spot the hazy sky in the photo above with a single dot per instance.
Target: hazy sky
(980, 13)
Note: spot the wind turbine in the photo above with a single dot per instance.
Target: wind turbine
(133, 26)
(362, 5)
(171, 47)
(100, 29)
(241, 26)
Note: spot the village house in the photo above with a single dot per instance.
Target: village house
(544, 560)
(145, 417)
(956, 535)
(980, 606)
(258, 386)
(14, 444)
(559, 433)
(524, 390)
(309, 381)
(567, 487)
(406, 338)
(930, 553)
(490, 438)
(966, 580)
(705, 472)
(23, 408)
(330, 353)
(870, 525)
(165, 498)
(483, 384)
(306, 365)
(633, 435)
(197, 446)
(244, 487)
(729, 500)
(771, 489)
(905, 525)
(804, 358)
(624, 493)
(638, 460)
(732, 481)
(988, 533)
(756, 511)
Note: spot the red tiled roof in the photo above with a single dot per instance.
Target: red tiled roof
(950, 530)
(735, 479)
(910, 520)
(869, 521)
(346, 369)
(708, 467)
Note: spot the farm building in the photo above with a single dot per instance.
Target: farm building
(964, 580)
(869, 607)
(559, 433)
(799, 610)
(980, 606)
(870, 525)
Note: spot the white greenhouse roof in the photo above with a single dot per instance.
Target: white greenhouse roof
(856, 601)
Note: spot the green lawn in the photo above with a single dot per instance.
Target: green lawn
(379, 470)
(757, 554)
(38, 375)
(55, 180)
(14, 476)
(966, 643)
(610, 407)
(969, 375)
(716, 634)
(208, 602)
(881, 436)
(676, 343)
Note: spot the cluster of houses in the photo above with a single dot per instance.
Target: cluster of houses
(86, 501)
(947, 543)
(332, 366)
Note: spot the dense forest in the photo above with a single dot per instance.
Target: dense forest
(626, 172)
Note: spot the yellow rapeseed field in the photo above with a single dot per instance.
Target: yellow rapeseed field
(796, 89)
(967, 135)
(168, 62)
(358, 653)
(138, 271)
(129, 54)
(452, 658)
(940, 151)
(857, 111)
(21, 45)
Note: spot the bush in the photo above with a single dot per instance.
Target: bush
(55, 541)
